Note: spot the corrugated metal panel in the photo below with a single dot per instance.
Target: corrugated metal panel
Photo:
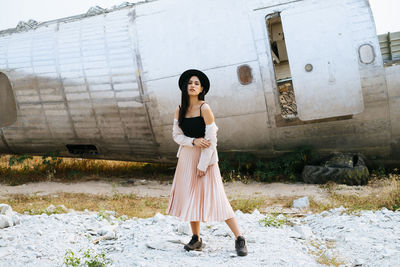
(395, 45)
(390, 46)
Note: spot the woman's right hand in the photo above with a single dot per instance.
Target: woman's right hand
(201, 142)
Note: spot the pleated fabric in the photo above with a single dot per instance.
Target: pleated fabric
(196, 198)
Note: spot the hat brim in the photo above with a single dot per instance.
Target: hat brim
(205, 82)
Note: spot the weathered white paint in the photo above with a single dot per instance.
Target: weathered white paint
(111, 80)
(322, 39)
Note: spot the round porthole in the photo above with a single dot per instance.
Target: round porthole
(244, 74)
(366, 53)
(308, 67)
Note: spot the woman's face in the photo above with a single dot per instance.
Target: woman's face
(194, 87)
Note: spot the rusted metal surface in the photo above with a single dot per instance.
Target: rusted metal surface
(244, 73)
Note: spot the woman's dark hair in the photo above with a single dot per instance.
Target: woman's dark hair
(185, 101)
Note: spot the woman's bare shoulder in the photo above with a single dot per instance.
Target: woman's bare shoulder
(207, 113)
(205, 106)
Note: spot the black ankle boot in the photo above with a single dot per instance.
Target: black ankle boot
(194, 244)
(240, 246)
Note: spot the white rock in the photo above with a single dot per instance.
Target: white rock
(111, 213)
(304, 231)
(385, 210)
(295, 234)
(104, 230)
(110, 235)
(324, 213)
(143, 182)
(221, 230)
(160, 246)
(330, 239)
(359, 262)
(301, 203)
(4, 252)
(339, 210)
(158, 217)
(184, 228)
(5, 209)
(177, 241)
(281, 217)
(51, 208)
(16, 219)
(255, 212)
(354, 239)
(388, 252)
(72, 239)
(238, 212)
(5, 221)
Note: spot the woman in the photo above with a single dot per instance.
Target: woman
(197, 193)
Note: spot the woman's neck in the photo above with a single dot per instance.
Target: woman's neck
(193, 101)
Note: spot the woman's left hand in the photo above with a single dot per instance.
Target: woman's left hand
(200, 173)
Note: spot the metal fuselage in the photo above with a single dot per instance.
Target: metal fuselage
(108, 83)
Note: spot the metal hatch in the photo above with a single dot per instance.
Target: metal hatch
(323, 61)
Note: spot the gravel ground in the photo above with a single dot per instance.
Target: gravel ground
(366, 239)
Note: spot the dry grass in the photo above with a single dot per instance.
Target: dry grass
(37, 169)
(385, 192)
(322, 257)
(248, 205)
(130, 205)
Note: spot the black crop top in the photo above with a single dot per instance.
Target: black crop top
(194, 127)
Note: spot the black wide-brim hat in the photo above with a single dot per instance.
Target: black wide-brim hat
(185, 76)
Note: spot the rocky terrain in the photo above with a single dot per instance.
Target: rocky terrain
(331, 237)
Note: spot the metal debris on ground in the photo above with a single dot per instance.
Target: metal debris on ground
(287, 101)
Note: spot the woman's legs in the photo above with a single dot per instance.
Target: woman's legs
(195, 228)
(232, 223)
(194, 244)
(240, 242)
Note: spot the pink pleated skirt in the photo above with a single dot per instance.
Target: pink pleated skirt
(196, 198)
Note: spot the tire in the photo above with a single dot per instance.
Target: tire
(357, 175)
(345, 160)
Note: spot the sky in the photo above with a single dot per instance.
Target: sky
(13, 11)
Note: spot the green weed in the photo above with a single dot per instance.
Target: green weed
(273, 221)
(54, 210)
(88, 259)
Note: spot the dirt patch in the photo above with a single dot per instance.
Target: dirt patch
(276, 197)
(162, 189)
